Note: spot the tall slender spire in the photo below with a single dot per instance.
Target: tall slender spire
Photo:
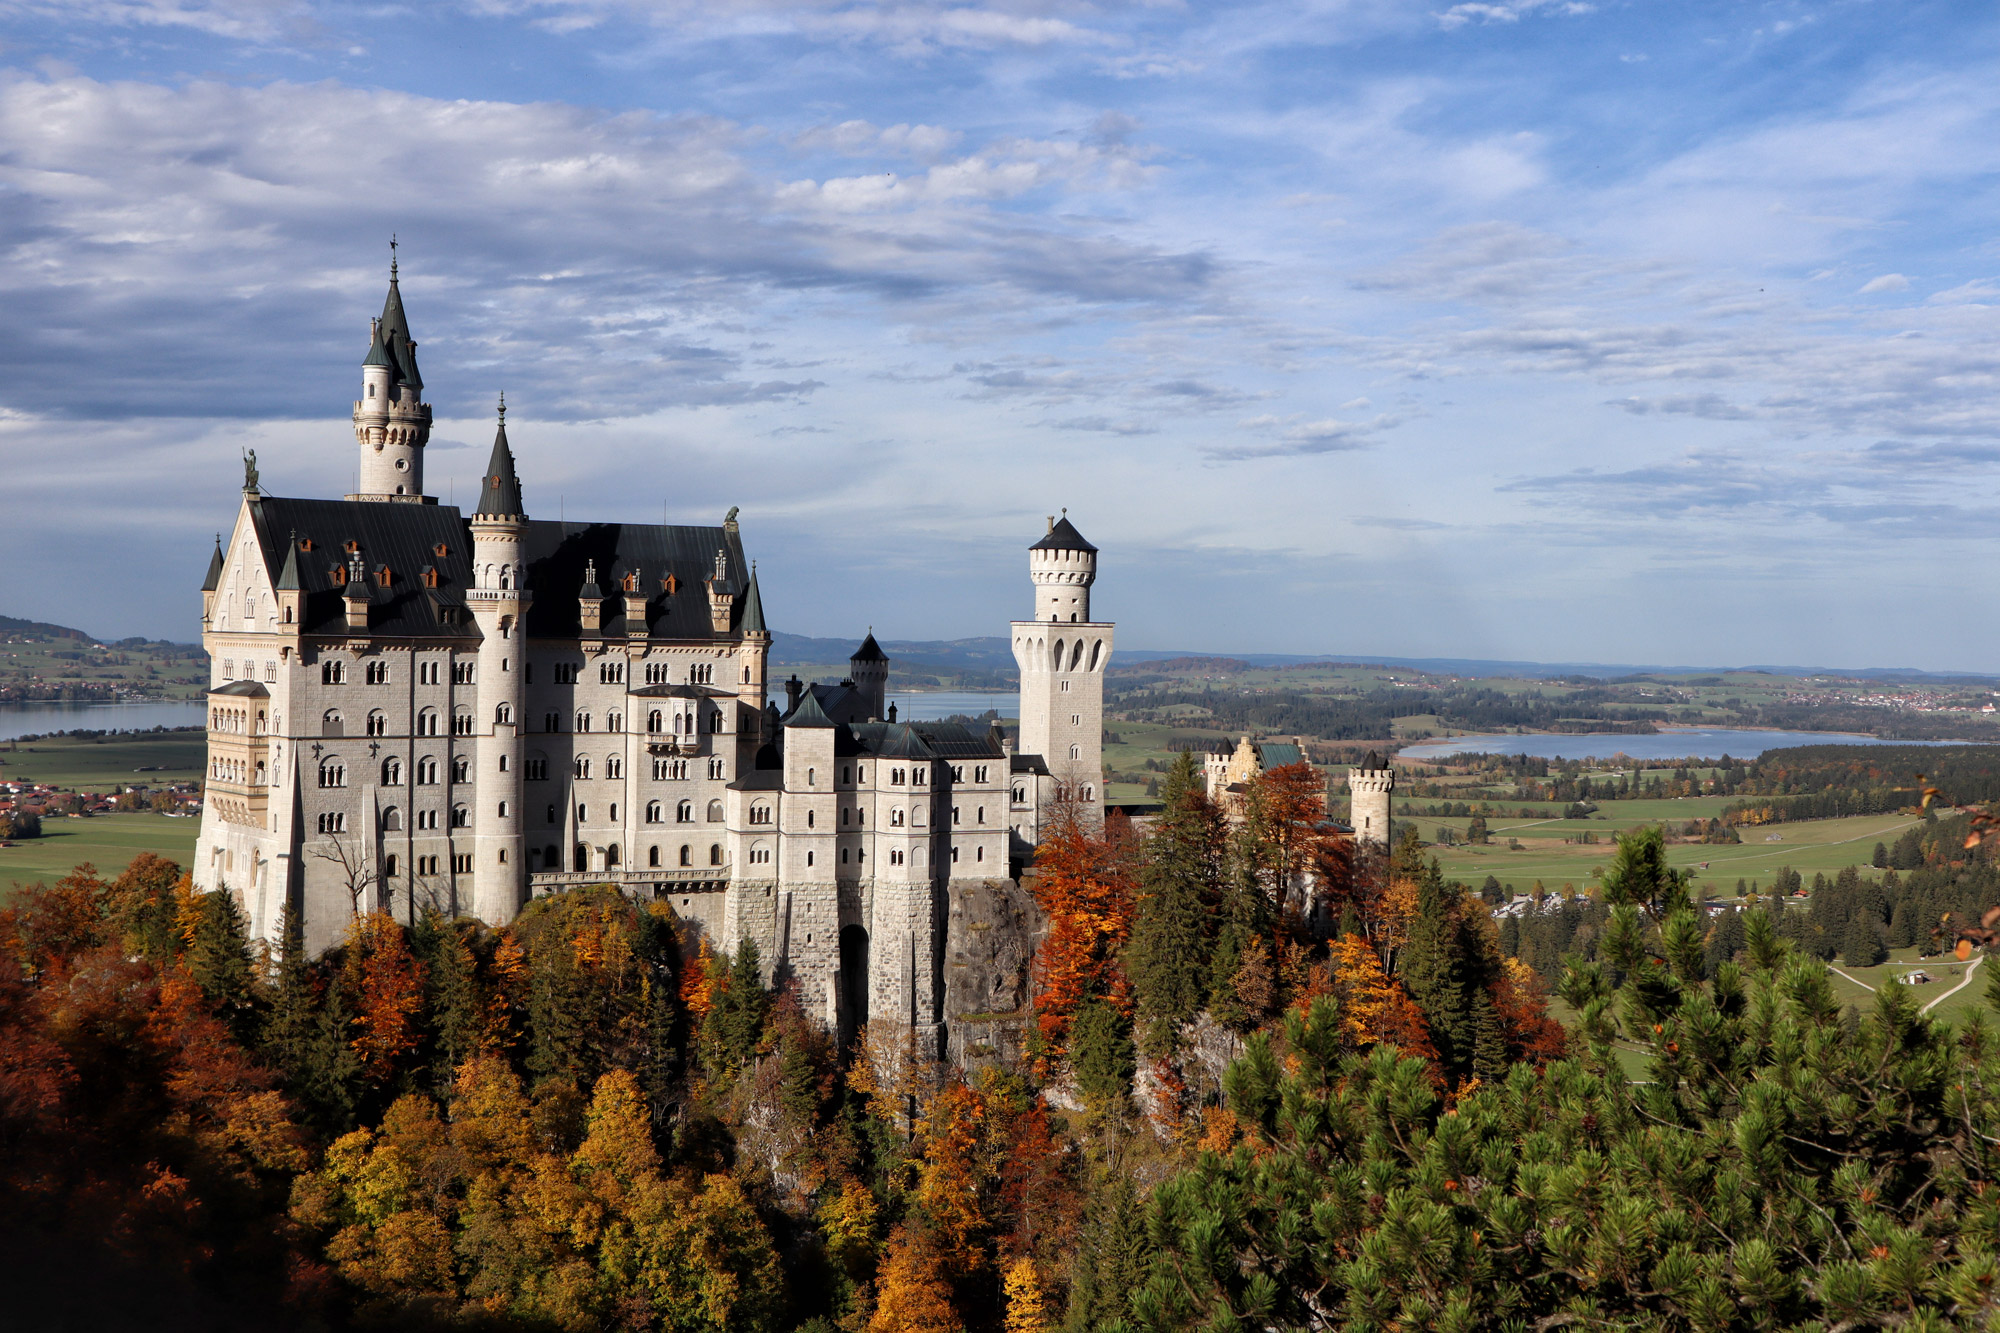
(500, 492)
(752, 619)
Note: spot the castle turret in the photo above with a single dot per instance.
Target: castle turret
(1370, 787)
(1062, 654)
(753, 656)
(869, 670)
(391, 422)
(498, 602)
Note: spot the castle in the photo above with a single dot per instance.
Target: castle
(416, 708)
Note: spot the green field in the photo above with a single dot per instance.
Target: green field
(108, 842)
(1818, 845)
(76, 764)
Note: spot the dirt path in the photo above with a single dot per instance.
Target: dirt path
(1955, 989)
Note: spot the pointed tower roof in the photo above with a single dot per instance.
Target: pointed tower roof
(869, 651)
(214, 579)
(500, 493)
(751, 621)
(288, 577)
(1063, 536)
(378, 351)
(809, 713)
(394, 331)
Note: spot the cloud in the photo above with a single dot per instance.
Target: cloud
(858, 138)
(1512, 12)
(1888, 282)
(1105, 425)
(199, 250)
(1300, 438)
(258, 21)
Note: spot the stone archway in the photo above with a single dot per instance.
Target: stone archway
(853, 981)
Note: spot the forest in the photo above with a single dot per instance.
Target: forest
(1269, 1081)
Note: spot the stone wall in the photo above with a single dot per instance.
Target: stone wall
(991, 929)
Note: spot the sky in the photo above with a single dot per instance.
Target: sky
(1533, 329)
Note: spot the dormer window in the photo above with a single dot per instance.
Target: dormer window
(440, 551)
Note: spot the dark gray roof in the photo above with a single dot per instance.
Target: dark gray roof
(1063, 537)
(681, 692)
(869, 651)
(378, 354)
(500, 492)
(214, 579)
(1029, 763)
(248, 689)
(750, 613)
(809, 714)
(394, 332)
(1372, 763)
(404, 537)
(558, 553)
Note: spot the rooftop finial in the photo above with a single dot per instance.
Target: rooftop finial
(392, 256)
(503, 407)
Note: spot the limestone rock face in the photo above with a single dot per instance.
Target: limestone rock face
(991, 932)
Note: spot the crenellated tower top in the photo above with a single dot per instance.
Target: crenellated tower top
(1063, 566)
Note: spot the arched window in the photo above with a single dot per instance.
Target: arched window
(427, 722)
(760, 814)
(809, 777)
(392, 772)
(652, 812)
(653, 855)
(504, 714)
(583, 721)
(551, 857)
(896, 817)
(653, 721)
(389, 866)
(715, 853)
(461, 817)
(687, 855)
(809, 819)
(461, 768)
(378, 723)
(611, 857)
(1089, 792)
(461, 723)
(684, 813)
(427, 771)
(503, 809)
(582, 766)
(1076, 752)
(331, 725)
(715, 812)
(392, 820)
(614, 721)
(614, 765)
(332, 773)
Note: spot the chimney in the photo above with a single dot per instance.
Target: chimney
(793, 689)
(635, 604)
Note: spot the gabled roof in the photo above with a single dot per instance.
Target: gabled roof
(500, 492)
(901, 741)
(869, 651)
(1063, 536)
(1276, 754)
(557, 555)
(404, 537)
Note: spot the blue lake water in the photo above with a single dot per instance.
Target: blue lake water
(930, 705)
(41, 719)
(1693, 743)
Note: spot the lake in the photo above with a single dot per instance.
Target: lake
(930, 705)
(41, 719)
(1692, 743)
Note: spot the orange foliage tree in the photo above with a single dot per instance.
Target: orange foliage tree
(1084, 887)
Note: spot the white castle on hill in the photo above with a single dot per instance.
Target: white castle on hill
(414, 707)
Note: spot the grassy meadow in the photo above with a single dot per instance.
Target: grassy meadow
(77, 764)
(108, 842)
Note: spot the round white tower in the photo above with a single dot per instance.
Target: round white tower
(1370, 787)
(499, 604)
(391, 422)
(1063, 566)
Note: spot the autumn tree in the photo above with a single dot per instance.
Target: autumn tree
(1082, 886)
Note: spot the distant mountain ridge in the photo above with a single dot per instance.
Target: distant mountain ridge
(40, 631)
(992, 653)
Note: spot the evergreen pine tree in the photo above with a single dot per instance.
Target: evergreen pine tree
(1180, 889)
(218, 957)
(453, 1023)
(1861, 944)
(1102, 1058)
(734, 1024)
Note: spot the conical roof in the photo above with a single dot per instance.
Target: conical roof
(869, 651)
(1063, 536)
(214, 579)
(500, 493)
(1372, 763)
(394, 331)
(751, 618)
(288, 577)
